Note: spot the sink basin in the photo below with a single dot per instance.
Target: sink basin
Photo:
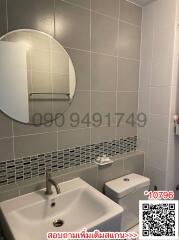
(78, 206)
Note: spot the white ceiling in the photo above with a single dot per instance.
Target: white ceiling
(141, 2)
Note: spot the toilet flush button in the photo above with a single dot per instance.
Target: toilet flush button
(126, 179)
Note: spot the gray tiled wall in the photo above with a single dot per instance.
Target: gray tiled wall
(103, 39)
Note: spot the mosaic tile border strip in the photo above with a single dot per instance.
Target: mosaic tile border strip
(12, 171)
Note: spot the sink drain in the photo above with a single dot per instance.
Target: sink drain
(58, 223)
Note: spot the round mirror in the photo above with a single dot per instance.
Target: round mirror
(37, 77)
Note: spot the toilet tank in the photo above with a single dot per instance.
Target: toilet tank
(127, 191)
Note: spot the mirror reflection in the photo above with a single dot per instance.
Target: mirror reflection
(39, 83)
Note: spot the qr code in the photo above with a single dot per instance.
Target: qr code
(158, 219)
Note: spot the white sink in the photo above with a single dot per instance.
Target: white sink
(79, 206)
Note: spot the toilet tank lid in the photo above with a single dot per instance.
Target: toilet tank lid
(122, 186)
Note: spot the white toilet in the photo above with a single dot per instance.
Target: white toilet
(127, 191)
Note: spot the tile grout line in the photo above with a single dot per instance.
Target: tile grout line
(13, 138)
(7, 18)
(116, 132)
(54, 18)
(131, 24)
(57, 130)
(90, 71)
(140, 66)
(105, 91)
(10, 137)
(102, 53)
(34, 134)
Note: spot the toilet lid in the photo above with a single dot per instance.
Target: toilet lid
(122, 186)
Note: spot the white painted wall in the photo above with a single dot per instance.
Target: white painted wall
(172, 176)
(156, 81)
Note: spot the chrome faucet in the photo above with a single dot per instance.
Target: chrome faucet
(49, 183)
